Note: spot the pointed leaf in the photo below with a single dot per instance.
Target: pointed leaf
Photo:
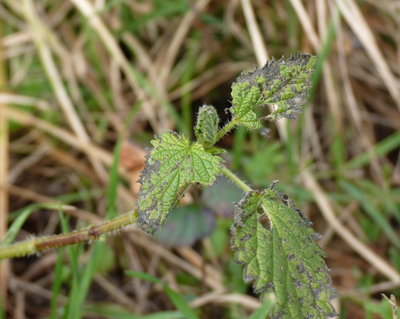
(282, 83)
(275, 243)
(173, 164)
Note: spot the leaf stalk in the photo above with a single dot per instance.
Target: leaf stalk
(236, 180)
(228, 127)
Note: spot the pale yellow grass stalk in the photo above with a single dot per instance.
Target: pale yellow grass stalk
(4, 146)
(364, 251)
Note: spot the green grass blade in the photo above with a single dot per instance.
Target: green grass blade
(323, 55)
(72, 309)
(382, 148)
(112, 188)
(16, 226)
(377, 216)
(81, 276)
(56, 287)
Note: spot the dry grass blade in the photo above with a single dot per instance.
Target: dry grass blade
(63, 135)
(177, 40)
(393, 305)
(148, 243)
(258, 43)
(4, 273)
(354, 109)
(116, 292)
(51, 69)
(354, 18)
(243, 300)
(8, 98)
(90, 13)
(327, 211)
(306, 23)
(316, 41)
(56, 80)
(34, 288)
(4, 151)
(260, 51)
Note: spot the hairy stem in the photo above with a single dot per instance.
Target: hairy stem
(36, 245)
(235, 179)
(229, 126)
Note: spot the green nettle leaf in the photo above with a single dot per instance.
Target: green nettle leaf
(282, 83)
(274, 241)
(246, 97)
(207, 125)
(173, 164)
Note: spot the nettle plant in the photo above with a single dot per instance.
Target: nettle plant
(270, 236)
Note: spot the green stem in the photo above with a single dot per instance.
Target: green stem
(236, 179)
(36, 245)
(229, 126)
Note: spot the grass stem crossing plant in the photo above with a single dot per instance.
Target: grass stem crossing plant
(270, 236)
